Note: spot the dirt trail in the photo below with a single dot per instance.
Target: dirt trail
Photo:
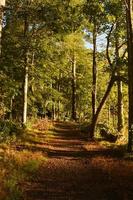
(74, 173)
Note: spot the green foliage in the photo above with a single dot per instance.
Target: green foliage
(9, 130)
(57, 31)
(14, 192)
(84, 127)
(17, 167)
(31, 166)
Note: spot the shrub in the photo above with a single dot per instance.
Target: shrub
(9, 129)
(26, 161)
(16, 168)
(12, 188)
(85, 127)
(108, 136)
(42, 124)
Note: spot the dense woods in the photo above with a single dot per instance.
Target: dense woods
(66, 67)
(49, 69)
(67, 60)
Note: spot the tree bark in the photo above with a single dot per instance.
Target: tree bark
(25, 101)
(59, 90)
(11, 108)
(119, 86)
(110, 85)
(120, 106)
(129, 13)
(25, 87)
(109, 115)
(74, 88)
(94, 122)
(2, 4)
(94, 74)
(53, 110)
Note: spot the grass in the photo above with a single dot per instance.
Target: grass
(19, 164)
(15, 168)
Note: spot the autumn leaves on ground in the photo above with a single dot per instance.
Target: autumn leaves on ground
(61, 164)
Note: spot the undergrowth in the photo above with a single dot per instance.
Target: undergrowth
(42, 124)
(122, 137)
(9, 130)
(18, 165)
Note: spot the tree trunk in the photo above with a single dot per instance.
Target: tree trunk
(109, 115)
(94, 122)
(94, 74)
(119, 86)
(74, 88)
(53, 110)
(129, 12)
(2, 4)
(25, 89)
(120, 106)
(58, 114)
(25, 101)
(11, 108)
(59, 89)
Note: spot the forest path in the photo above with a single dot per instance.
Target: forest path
(73, 172)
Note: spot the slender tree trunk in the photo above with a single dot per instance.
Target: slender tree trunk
(25, 102)
(59, 103)
(94, 122)
(11, 108)
(94, 74)
(129, 12)
(25, 89)
(2, 4)
(74, 87)
(119, 87)
(54, 110)
(120, 106)
(109, 115)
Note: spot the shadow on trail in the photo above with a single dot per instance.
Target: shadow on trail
(85, 154)
(68, 142)
(73, 172)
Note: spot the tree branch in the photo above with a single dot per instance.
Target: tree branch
(122, 44)
(108, 42)
(121, 78)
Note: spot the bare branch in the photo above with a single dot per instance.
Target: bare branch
(121, 78)
(122, 44)
(124, 53)
(126, 4)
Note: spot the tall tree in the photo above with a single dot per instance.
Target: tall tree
(74, 117)
(94, 12)
(2, 5)
(129, 14)
(94, 70)
(26, 69)
(119, 86)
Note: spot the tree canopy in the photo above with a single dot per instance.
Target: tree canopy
(51, 64)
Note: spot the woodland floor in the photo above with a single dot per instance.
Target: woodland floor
(77, 169)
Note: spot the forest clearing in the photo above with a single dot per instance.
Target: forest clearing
(66, 99)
